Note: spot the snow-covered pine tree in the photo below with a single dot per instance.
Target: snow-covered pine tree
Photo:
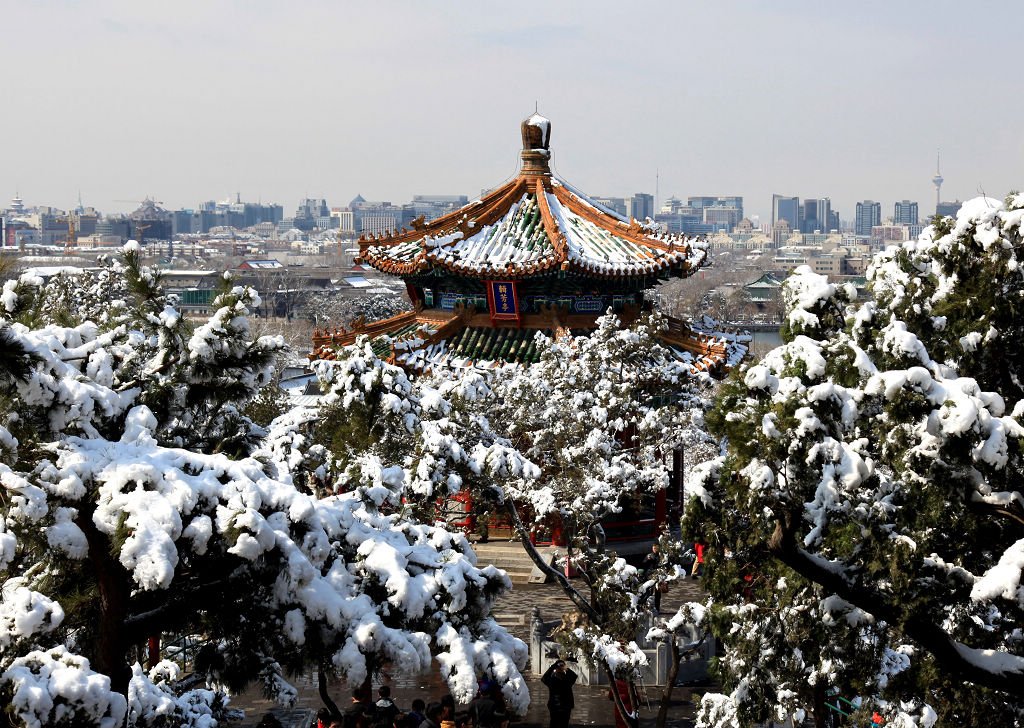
(136, 501)
(866, 524)
(600, 416)
(402, 446)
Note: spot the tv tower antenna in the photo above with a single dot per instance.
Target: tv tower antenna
(937, 180)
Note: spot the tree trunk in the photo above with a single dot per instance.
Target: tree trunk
(670, 681)
(630, 718)
(112, 639)
(325, 697)
(821, 712)
(559, 576)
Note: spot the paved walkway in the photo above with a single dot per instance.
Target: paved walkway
(593, 708)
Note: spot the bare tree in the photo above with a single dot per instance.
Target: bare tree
(333, 308)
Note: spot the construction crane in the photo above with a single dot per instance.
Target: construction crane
(72, 239)
(138, 232)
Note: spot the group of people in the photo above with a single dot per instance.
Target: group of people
(487, 710)
(653, 560)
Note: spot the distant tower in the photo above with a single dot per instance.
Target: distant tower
(937, 181)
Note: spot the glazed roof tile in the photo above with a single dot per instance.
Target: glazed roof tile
(422, 342)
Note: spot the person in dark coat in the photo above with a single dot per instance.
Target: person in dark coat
(361, 712)
(433, 716)
(559, 680)
(651, 562)
(483, 707)
(386, 709)
(415, 715)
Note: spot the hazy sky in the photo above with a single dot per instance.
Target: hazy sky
(189, 101)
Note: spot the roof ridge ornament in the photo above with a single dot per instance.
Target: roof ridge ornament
(536, 132)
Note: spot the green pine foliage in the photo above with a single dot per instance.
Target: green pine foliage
(865, 522)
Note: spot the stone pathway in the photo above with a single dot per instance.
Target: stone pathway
(593, 708)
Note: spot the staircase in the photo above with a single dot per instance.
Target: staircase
(511, 557)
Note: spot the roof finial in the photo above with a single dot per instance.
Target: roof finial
(536, 107)
(536, 137)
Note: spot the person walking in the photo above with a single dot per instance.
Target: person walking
(698, 563)
(651, 562)
(559, 680)
(483, 706)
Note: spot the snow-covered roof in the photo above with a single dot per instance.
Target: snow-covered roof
(48, 271)
(184, 273)
(262, 264)
(536, 223)
(522, 229)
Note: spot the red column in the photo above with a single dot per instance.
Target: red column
(411, 290)
(660, 511)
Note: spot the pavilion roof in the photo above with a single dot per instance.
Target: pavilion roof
(534, 224)
(431, 340)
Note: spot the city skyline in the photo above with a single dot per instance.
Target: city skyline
(119, 102)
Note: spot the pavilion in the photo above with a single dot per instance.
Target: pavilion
(534, 254)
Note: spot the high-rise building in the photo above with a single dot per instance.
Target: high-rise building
(375, 217)
(818, 215)
(781, 231)
(905, 213)
(948, 208)
(698, 202)
(788, 209)
(435, 206)
(181, 222)
(641, 206)
(615, 204)
(723, 217)
(869, 214)
(308, 212)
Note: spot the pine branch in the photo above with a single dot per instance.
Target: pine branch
(570, 591)
(1013, 512)
(932, 637)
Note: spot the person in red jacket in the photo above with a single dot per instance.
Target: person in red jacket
(698, 563)
(622, 688)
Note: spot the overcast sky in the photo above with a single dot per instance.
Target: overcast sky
(189, 101)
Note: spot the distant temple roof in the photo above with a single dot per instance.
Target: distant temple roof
(534, 224)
